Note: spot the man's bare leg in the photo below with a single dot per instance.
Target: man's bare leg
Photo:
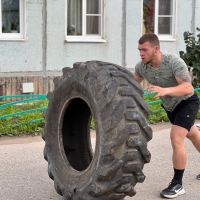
(177, 136)
(179, 159)
(194, 136)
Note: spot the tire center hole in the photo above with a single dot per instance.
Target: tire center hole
(78, 134)
(93, 135)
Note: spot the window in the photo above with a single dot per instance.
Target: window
(159, 18)
(84, 21)
(12, 19)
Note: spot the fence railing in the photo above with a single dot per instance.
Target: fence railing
(39, 97)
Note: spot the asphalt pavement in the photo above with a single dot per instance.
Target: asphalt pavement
(23, 171)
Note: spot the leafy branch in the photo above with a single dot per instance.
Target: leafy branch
(192, 56)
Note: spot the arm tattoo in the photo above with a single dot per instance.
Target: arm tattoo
(185, 77)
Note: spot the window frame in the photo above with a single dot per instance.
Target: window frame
(86, 37)
(166, 37)
(15, 36)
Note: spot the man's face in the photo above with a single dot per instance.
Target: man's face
(147, 52)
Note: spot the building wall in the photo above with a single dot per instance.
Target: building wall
(134, 11)
(46, 49)
(61, 54)
(122, 31)
(184, 22)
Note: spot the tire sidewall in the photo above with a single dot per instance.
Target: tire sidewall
(60, 167)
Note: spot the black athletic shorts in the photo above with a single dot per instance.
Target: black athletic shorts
(185, 112)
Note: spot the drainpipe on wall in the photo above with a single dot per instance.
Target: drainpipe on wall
(44, 37)
(123, 34)
(193, 28)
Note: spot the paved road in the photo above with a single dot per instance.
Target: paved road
(23, 171)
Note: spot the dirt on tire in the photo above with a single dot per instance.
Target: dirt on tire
(109, 93)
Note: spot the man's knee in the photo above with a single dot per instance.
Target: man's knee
(193, 133)
(176, 142)
(177, 136)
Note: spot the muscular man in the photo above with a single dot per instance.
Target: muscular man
(170, 80)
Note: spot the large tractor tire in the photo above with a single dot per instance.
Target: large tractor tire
(109, 93)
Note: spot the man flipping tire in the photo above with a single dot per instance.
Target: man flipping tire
(170, 80)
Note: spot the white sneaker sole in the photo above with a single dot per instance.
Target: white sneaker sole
(176, 195)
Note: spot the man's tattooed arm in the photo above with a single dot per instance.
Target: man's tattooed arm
(185, 77)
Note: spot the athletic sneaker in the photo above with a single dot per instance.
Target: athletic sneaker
(198, 177)
(174, 189)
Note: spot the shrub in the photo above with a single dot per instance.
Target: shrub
(192, 56)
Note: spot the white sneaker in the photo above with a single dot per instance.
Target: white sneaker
(174, 189)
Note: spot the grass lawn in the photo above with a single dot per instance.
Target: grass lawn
(24, 129)
(36, 128)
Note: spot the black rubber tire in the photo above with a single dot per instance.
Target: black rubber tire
(109, 93)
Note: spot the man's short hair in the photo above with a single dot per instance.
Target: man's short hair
(151, 38)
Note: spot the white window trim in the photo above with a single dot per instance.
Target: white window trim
(15, 36)
(163, 37)
(84, 37)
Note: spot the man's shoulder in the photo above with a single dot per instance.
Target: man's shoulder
(175, 63)
(172, 59)
(171, 56)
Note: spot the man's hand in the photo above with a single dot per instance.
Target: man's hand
(156, 89)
